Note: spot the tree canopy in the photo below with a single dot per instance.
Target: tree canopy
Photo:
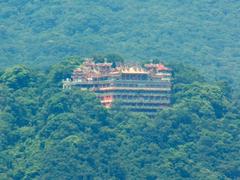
(202, 33)
(50, 133)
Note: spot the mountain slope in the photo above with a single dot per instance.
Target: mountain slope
(202, 33)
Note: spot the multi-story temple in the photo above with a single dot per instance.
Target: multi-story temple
(139, 88)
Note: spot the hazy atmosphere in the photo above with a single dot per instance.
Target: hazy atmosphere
(66, 117)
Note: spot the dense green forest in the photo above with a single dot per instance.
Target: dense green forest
(203, 33)
(50, 133)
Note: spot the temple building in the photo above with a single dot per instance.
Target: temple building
(139, 88)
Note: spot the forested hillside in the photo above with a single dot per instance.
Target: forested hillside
(50, 133)
(202, 33)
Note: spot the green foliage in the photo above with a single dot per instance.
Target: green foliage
(50, 133)
(202, 33)
(61, 71)
(112, 58)
(18, 77)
